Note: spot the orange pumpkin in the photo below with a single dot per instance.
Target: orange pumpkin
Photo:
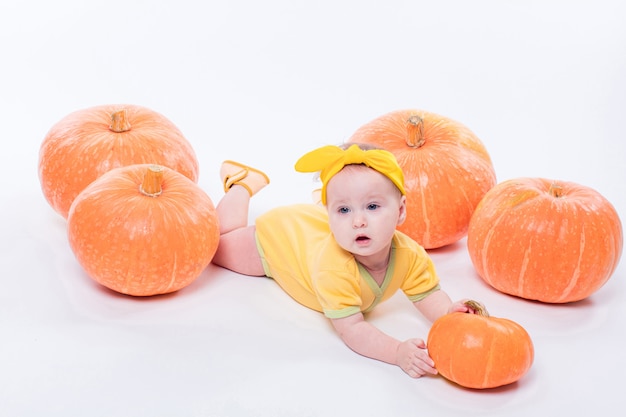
(447, 171)
(480, 351)
(551, 241)
(87, 143)
(143, 230)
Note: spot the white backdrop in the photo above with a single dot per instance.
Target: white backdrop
(542, 83)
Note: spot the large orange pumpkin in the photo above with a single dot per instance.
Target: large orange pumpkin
(446, 167)
(89, 142)
(143, 230)
(480, 351)
(551, 241)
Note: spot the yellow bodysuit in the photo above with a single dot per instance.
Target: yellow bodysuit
(299, 252)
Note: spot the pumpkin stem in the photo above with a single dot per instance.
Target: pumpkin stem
(477, 307)
(555, 190)
(119, 121)
(151, 185)
(415, 131)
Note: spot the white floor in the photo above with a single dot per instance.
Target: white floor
(542, 83)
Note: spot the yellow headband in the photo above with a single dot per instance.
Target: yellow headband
(329, 160)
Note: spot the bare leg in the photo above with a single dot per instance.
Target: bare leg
(237, 249)
(232, 210)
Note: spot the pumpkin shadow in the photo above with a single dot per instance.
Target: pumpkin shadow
(584, 303)
(91, 299)
(199, 284)
(449, 249)
(550, 319)
(203, 280)
(136, 298)
(513, 386)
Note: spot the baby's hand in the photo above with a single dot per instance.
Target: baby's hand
(466, 306)
(413, 358)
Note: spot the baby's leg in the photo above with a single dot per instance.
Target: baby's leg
(232, 210)
(237, 249)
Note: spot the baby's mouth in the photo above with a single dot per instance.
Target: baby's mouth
(362, 239)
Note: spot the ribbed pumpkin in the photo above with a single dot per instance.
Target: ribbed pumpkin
(143, 230)
(446, 167)
(89, 142)
(480, 351)
(551, 241)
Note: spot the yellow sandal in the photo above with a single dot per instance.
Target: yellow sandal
(234, 173)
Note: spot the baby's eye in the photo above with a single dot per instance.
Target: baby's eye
(372, 206)
(343, 210)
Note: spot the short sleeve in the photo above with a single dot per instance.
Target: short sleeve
(421, 277)
(338, 291)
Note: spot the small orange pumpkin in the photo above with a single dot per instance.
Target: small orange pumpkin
(550, 241)
(447, 170)
(89, 142)
(480, 351)
(143, 230)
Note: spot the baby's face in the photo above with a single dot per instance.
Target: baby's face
(364, 208)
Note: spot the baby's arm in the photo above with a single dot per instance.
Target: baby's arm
(367, 340)
(410, 355)
(438, 304)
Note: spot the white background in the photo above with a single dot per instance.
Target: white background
(542, 83)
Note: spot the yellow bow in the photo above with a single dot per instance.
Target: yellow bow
(329, 160)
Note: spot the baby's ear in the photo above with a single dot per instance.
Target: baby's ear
(402, 211)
